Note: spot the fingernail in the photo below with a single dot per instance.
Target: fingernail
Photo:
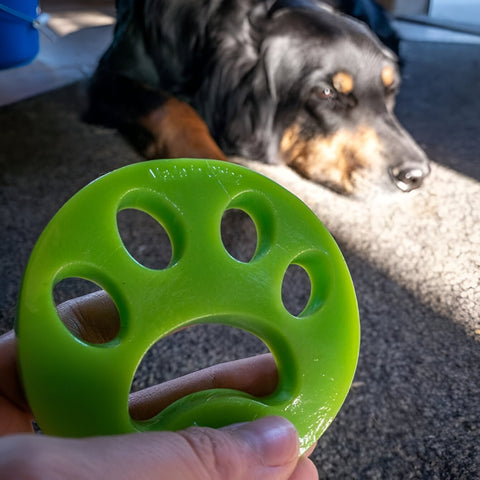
(275, 439)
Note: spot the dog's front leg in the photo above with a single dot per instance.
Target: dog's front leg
(178, 131)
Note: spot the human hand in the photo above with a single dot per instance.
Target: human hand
(264, 449)
(92, 317)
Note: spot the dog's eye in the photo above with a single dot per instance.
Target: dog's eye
(326, 92)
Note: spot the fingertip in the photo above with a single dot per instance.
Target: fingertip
(310, 450)
(305, 470)
(275, 439)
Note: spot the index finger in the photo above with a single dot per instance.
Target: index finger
(254, 375)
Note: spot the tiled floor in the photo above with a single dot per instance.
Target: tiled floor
(83, 29)
(460, 15)
(462, 11)
(417, 32)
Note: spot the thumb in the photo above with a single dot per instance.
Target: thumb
(266, 449)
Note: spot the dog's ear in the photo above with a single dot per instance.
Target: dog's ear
(282, 61)
(244, 122)
(270, 60)
(248, 123)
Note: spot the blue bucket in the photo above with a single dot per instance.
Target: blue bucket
(19, 42)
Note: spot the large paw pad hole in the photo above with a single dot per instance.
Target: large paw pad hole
(145, 238)
(97, 324)
(156, 383)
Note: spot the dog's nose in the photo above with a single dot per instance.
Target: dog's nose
(408, 178)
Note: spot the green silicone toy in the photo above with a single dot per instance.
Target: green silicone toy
(80, 389)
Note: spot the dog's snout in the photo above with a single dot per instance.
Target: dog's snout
(408, 178)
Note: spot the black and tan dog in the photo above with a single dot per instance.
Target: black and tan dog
(291, 81)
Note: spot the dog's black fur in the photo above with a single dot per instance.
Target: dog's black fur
(285, 80)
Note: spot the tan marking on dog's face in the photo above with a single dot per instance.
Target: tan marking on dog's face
(332, 160)
(343, 82)
(388, 76)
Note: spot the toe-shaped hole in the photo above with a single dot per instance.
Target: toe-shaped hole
(296, 289)
(239, 234)
(145, 238)
(307, 283)
(87, 311)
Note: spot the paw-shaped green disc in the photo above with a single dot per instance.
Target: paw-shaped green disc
(80, 389)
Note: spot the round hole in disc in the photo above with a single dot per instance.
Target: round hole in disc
(145, 238)
(190, 350)
(239, 234)
(87, 311)
(296, 289)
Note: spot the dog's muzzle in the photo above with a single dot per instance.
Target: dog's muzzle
(408, 178)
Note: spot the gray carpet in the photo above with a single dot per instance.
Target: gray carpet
(414, 408)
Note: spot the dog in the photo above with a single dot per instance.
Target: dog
(279, 81)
